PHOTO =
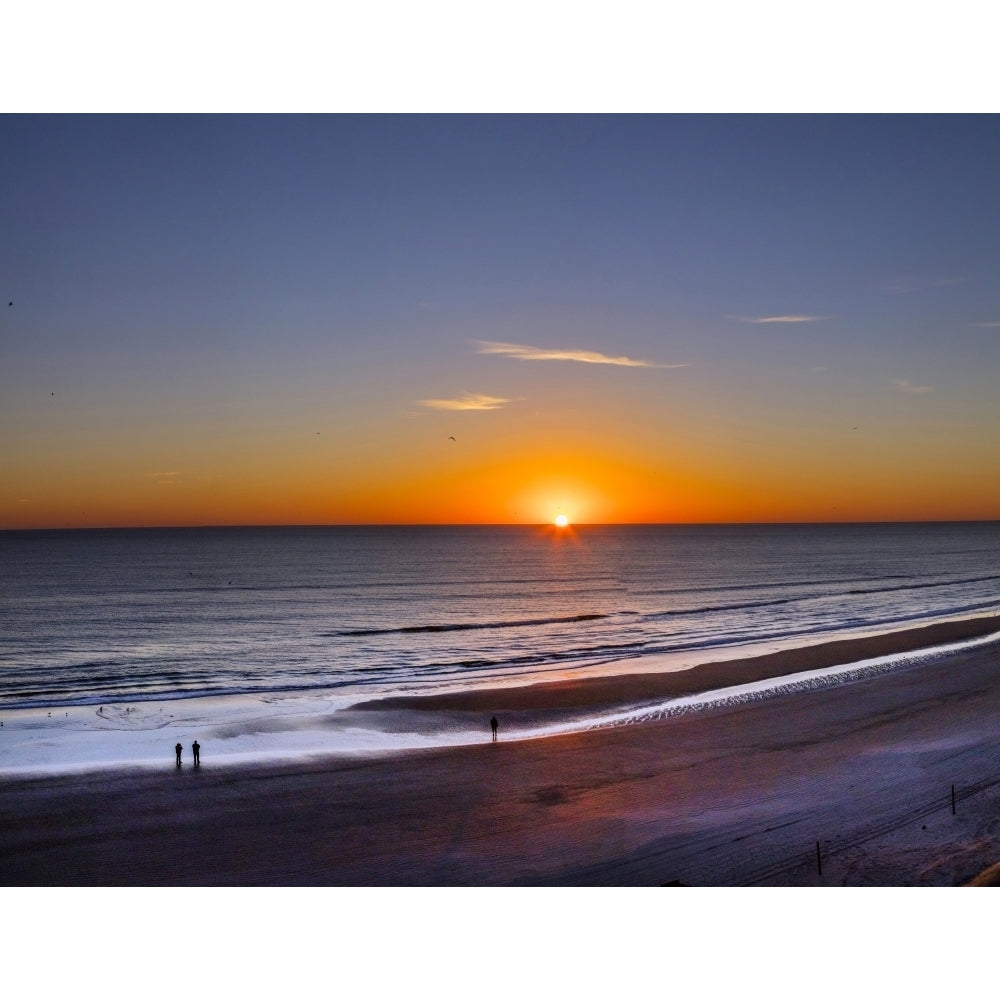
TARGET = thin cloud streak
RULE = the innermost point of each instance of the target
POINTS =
(789, 318)
(989, 326)
(164, 478)
(524, 352)
(467, 401)
(905, 385)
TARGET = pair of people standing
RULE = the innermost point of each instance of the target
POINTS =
(195, 749)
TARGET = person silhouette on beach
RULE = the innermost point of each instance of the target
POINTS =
(196, 750)
(493, 726)
(177, 751)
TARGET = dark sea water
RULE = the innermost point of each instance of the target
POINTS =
(87, 617)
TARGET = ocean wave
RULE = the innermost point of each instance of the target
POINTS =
(466, 626)
(928, 585)
(710, 608)
(767, 585)
(578, 654)
(361, 586)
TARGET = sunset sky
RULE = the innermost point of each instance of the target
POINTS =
(461, 319)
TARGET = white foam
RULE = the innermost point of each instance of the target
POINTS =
(771, 687)
(245, 728)
(230, 730)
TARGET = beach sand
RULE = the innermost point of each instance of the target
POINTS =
(735, 795)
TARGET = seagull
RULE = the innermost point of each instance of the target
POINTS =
(450, 438)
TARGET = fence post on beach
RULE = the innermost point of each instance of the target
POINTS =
(953, 800)
(819, 861)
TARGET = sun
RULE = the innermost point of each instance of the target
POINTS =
(561, 520)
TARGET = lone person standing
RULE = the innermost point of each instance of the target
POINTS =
(493, 726)
(196, 750)
(177, 751)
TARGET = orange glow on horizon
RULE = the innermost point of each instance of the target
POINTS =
(500, 481)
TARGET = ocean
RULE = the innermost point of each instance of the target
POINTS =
(95, 616)
(144, 618)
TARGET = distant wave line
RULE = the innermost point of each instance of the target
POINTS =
(680, 612)
(859, 592)
(805, 584)
(604, 584)
(921, 586)
(606, 581)
(466, 626)
(766, 585)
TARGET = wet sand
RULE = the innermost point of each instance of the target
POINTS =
(737, 795)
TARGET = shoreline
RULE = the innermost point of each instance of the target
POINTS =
(235, 731)
(735, 795)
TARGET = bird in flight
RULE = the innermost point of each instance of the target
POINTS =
(450, 438)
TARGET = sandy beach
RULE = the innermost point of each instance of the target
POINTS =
(851, 784)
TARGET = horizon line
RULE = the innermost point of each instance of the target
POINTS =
(498, 524)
